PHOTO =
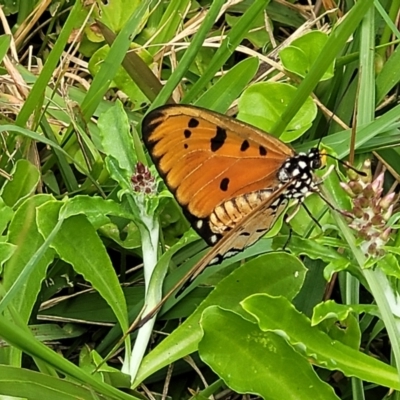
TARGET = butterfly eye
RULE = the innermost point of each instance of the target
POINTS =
(316, 163)
(317, 158)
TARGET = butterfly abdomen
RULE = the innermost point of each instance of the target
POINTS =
(228, 214)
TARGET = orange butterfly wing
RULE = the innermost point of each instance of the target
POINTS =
(207, 159)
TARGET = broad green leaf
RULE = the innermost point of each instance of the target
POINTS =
(25, 177)
(276, 314)
(252, 361)
(301, 54)
(346, 331)
(115, 137)
(78, 244)
(96, 209)
(23, 383)
(274, 273)
(115, 13)
(24, 235)
(263, 103)
(330, 309)
(310, 247)
(335, 266)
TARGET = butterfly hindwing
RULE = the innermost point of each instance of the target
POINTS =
(251, 228)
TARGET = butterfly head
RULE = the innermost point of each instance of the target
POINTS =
(317, 158)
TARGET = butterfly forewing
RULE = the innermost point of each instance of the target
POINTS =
(207, 159)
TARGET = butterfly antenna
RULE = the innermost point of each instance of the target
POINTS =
(347, 165)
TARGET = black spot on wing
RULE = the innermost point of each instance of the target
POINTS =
(262, 150)
(187, 133)
(219, 139)
(224, 184)
(193, 123)
(203, 229)
(245, 145)
(185, 145)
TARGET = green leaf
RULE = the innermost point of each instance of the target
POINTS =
(278, 315)
(389, 76)
(121, 79)
(330, 309)
(302, 53)
(335, 266)
(35, 96)
(116, 138)
(4, 45)
(252, 361)
(263, 103)
(389, 265)
(194, 50)
(115, 13)
(112, 62)
(257, 33)
(25, 177)
(334, 45)
(23, 233)
(22, 383)
(96, 209)
(6, 252)
(227, 89)
(78, 244)
(22, 340)
(225, 50)
(273, 273)
(6, 213)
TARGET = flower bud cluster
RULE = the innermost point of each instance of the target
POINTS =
(371, 210)
(142, 180)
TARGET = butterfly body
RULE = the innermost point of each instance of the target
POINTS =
(231, 179)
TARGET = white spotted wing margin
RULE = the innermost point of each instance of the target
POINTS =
(254, 225)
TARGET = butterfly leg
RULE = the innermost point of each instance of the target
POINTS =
(295, 211)
(341, 212)
(311, 216)
(287, 220)
(288, 239)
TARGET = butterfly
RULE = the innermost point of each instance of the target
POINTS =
(231, 179)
